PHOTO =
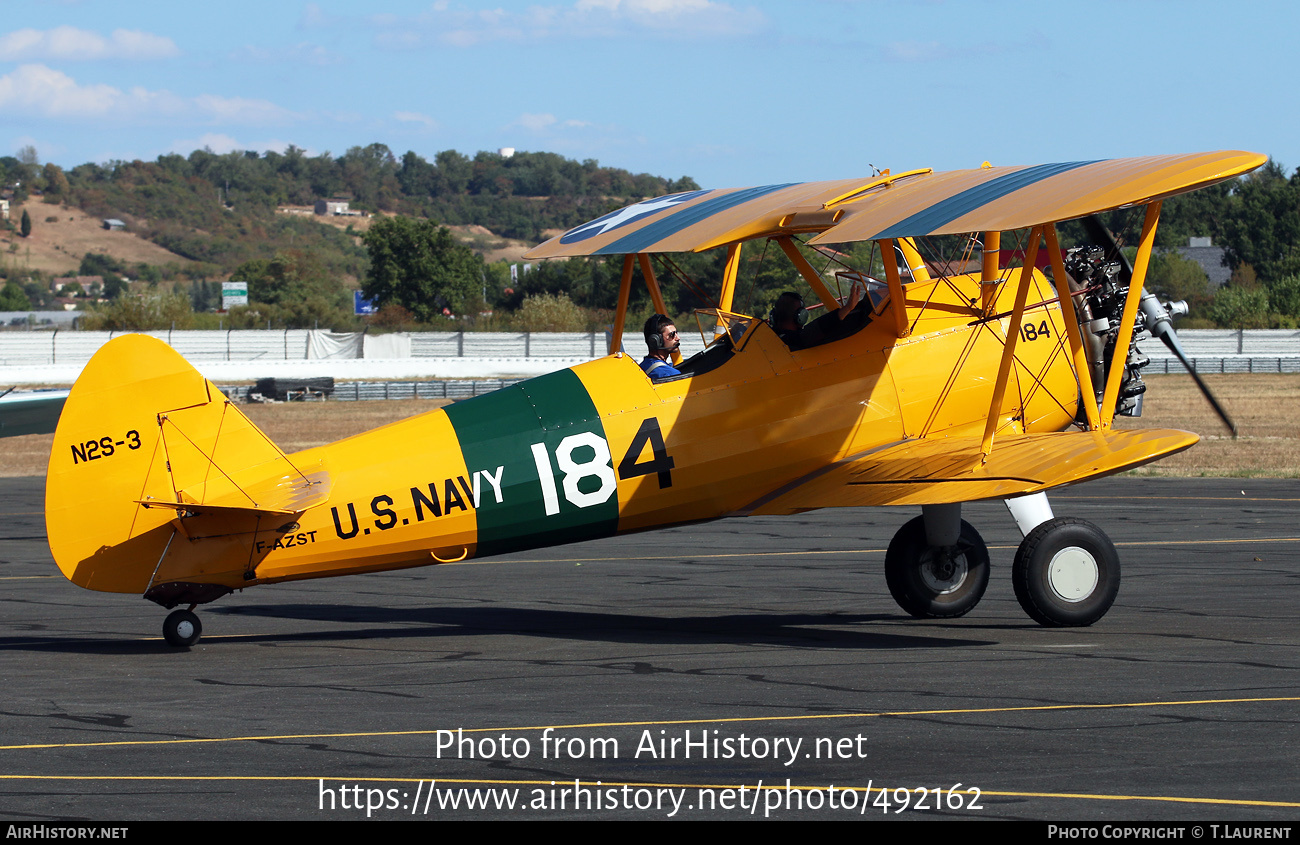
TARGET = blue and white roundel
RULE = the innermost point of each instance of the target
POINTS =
(624, 216)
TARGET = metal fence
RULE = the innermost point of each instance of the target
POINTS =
(357, 391)
(1227, 364)
(1213, 350)
(73, 347)
(76, 347)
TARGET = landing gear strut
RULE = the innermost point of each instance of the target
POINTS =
(182, 628)
(936, 581)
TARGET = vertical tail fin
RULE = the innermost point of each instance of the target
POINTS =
(148, 449)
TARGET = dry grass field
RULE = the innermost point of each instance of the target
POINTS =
(1266, 407)
(58, 247)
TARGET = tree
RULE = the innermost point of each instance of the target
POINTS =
(1284, 296)
(1264, 226)
(25, 227)
(12, 298)
(291, 277)
(1239, 308)
(549, 312)
(1173, 277)
(418, 265)
(142, 313)
(56, 183)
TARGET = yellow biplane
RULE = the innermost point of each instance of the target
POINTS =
(937, 387)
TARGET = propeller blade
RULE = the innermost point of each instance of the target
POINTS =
(1176, 348)
(1158, 321)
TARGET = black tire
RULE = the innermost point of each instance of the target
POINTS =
(928, 584)
(1066, 573)
(182, 629)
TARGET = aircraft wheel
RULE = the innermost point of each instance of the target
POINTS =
(933, 582)
(1066, 573)
(182, 629)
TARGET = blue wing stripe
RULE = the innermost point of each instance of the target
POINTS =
(647, 236)
(958, 205)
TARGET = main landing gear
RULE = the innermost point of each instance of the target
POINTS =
(182, 628)
(1065, 574)
(936, 581)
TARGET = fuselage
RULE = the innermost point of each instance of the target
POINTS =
(599, 449)
(590, 451)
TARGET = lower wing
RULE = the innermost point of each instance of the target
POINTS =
(941, 470)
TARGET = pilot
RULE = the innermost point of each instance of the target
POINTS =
(788, 319)
(662, 341)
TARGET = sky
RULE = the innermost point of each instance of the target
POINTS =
(730, 93)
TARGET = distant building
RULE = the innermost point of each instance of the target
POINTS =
(506, 152)
(1209, 257)
(85, 281)
(4, 209)
(335, 207)
(114, 225)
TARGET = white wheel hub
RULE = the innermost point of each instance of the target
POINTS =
(1073, 574)
(185, 629)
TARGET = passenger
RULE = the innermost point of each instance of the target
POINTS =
(789, 316)
(662, 341)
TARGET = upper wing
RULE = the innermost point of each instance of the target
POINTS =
(694, 220)
(941, 470)
(998, 199)
(910, 204)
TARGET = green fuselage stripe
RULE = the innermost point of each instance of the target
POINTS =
(498, 432)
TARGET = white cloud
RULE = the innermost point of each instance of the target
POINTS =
(51, 93)
(457, 26)
(218, 143)
(221, 144)
(313, 17)
(45, 150)
(547, 122)
(67, 43)
(536, 122)
(932, 51)
(239, 109)
(300, 53)
(915, 51)
(416, 118)
(40, 90)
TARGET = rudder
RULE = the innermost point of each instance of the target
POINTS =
(146, 450)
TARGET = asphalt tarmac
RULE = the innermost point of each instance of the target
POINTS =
(679, 670)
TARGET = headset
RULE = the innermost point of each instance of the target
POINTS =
(800, 316)
(654, 332)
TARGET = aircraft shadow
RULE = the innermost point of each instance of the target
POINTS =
(808, 630)
(796, 630)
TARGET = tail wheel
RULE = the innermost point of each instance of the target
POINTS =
(933, 581)
(182, 629)
(1066, 573)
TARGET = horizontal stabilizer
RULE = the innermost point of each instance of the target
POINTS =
(942, 470)
(288, 493)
